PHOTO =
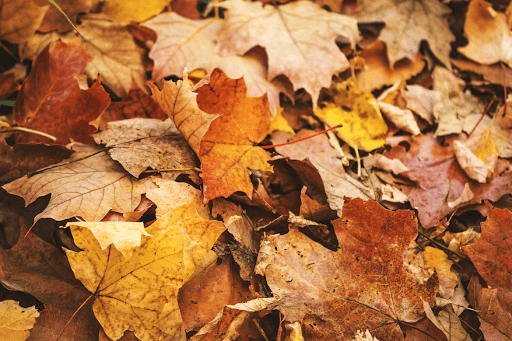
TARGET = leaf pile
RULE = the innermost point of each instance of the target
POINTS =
(256, 170)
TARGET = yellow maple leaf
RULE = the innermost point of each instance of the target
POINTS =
(358, 112)
(15, 321)
(132, 10)
(280, 123)
(140, 294)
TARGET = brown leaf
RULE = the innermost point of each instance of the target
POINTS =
(88, 185)
(229, 148)
(361, 286)
(39, 268)
(407, 24)
(491, 253)
(180, 104)
(19, 19)
(141, 143)
(55, 20)
(51, 101)
(306, 32)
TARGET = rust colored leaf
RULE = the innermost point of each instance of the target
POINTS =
(54, 20)
(51, 101)
(492, 253)
(361, 286)
(87, 185)
(180, 104)
(135, 104)
(229, 148)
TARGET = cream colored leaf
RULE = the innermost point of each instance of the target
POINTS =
(447, 322)
(402, 118)
(180, 104)
(139, 143)
(125, 236)
(474, 167)
(15, 321)
(407, 24)
(184, 43)
(299, 39)
(140, 294)
(451, 113)
(467, 195)
(86, 185)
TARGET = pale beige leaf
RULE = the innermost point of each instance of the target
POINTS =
(125, 236)
(467, 195)
(19, 19)
(402, 118)
(184, 43)
(474, 167)
(451, 113)
(407, 24)
(141, 143)
(180, 104)
(86, 185)
(422, 101)
(299, 39)
(15, 321)
(447, 322)
(502, 137)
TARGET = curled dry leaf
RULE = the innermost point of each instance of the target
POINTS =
(229, 147)
(87, 185)
(361, 286)
(306, 32)
(140, 294)
(180, 104)
(474, 167)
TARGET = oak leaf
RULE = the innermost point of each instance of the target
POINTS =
(407, 24)
(87, 185)
(361, 286)
(180, 104)
(305, 31)
(140, 294)
(51, 101)
(228, 149)
(139, 143)
(16, 320)
(184, 43)
(19, 19)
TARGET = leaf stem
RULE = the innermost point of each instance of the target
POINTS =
(74, 314)
(302, 139)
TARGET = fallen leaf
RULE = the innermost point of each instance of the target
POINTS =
(125, 236)
(136, 103)
(401, 118)
(378, 72)
(437, 259)
(421, 101)
(133, 10)
(358, 112)
(180, 104)
(474, 167)
(361, 286)
(16, 320)
(493, 306)
(141, 143)
(8, 85)
(407, 24)
(502, 137)
(55, 20)
(184, 43)
(225, 158)
(448, 322)
(306, 32)
(87, 185)
(140, 294)
(58, 106)
(491, 252)
(452, 113)
(40, 269)
(488, 34)
(19, 19)
(493, 73)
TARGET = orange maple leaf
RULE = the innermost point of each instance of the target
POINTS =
(228, 149)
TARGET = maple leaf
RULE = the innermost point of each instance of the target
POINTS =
(180, 104)
(87, 185)
(361, 286)
(491, 253)
(16, 320)
(139, 143)
(407, 24)
(54, 20)
(19, 19)
(488, 34)
(51, 101)
(140, 294)
(133, 10)
(225, 158)
(184, 43)
(302, 29)
(36, 267)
